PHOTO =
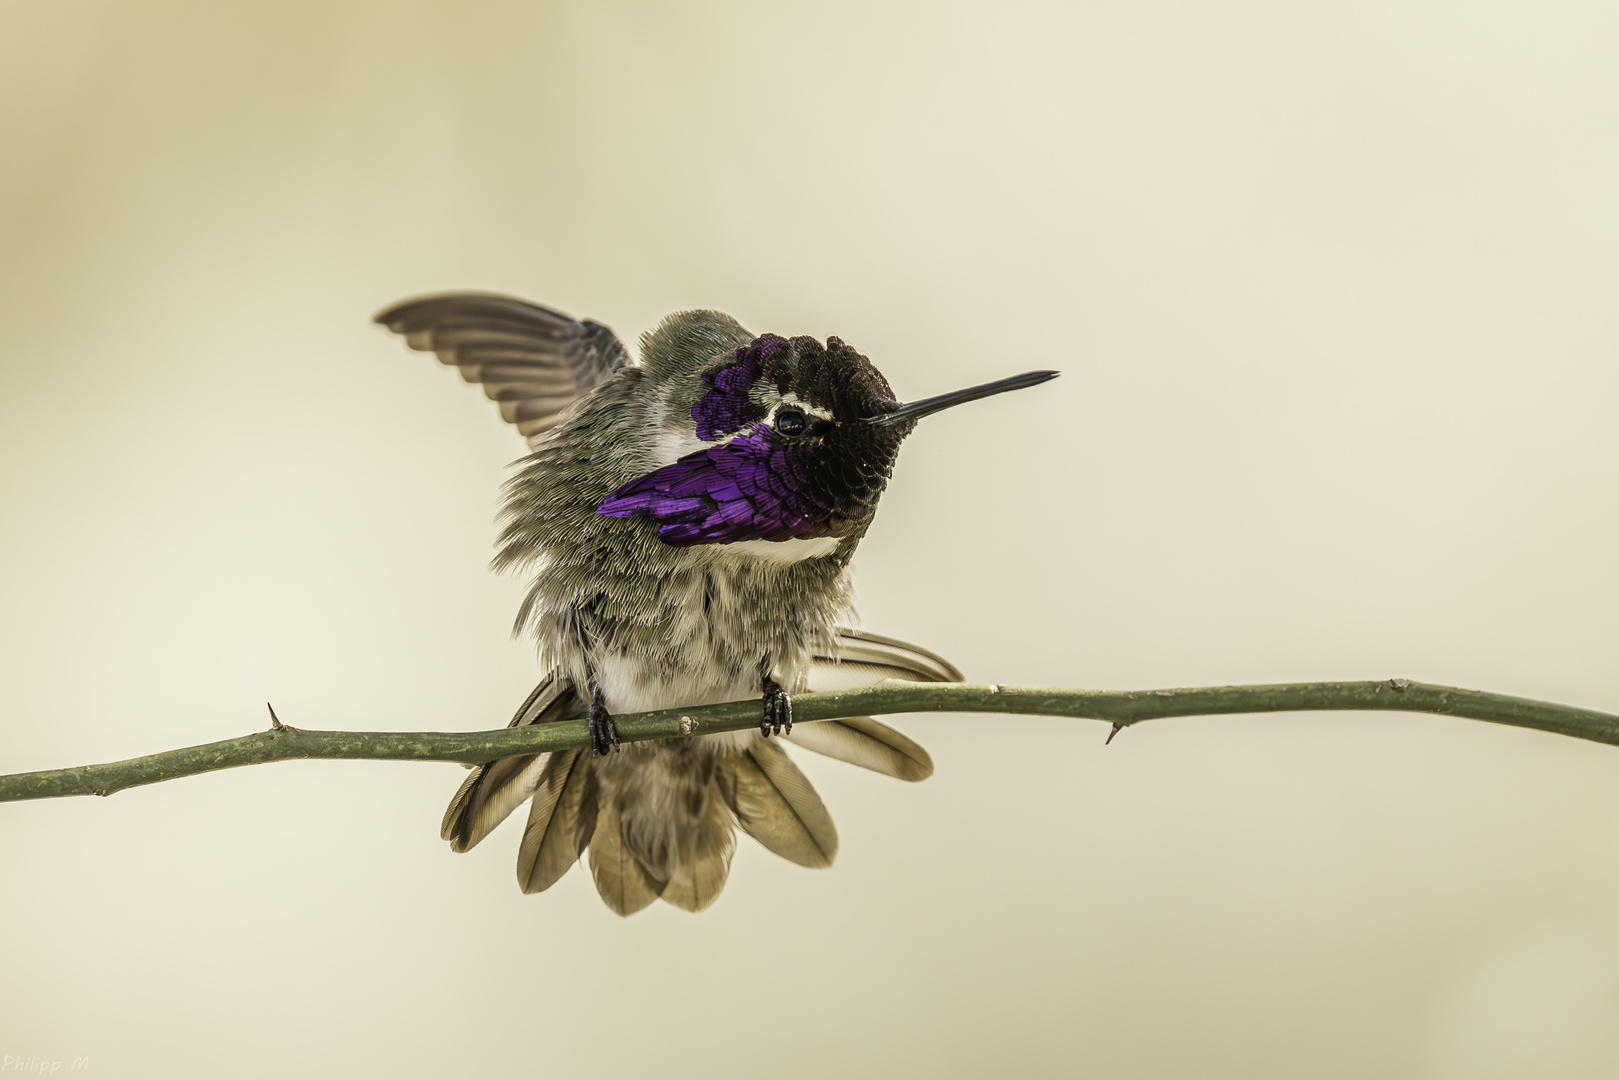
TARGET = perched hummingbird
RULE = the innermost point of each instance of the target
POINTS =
(690, 520)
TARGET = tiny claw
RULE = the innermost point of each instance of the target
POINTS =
(778, 710)
(603, 732)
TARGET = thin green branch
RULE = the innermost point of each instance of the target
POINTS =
(1121, 708)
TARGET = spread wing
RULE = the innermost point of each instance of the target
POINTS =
(864, 659)
(530, 360)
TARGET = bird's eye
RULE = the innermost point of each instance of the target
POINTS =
(790, 422)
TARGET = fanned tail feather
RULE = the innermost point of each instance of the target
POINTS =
(624, 884)
(774, 802)
(561, 820)
(703, 859)
(493, 790)
(638, 851)
(488, 794)
(869, 743)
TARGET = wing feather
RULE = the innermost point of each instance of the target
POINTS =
(493, 790)
(534, 361)
(862, 659)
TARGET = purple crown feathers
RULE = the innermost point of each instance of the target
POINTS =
(727, 406)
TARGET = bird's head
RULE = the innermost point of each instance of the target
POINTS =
(791, 440)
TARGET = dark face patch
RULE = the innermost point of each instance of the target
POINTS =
(811, 478)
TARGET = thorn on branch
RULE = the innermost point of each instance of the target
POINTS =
(275, 721)
(1117, 727)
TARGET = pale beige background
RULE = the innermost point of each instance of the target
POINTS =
(1333, 287)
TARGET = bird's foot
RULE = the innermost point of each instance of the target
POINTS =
(603, 732)
(778, 710)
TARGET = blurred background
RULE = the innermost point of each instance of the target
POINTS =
(1333, 290)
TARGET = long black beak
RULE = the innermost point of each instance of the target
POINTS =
(928, 406)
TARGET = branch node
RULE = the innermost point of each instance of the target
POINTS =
(687, 725)
(1400, 685)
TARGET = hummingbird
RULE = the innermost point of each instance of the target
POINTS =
(688, 518)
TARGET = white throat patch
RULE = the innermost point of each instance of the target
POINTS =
(785, 551)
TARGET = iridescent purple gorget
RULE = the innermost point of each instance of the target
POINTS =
(754, 487)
